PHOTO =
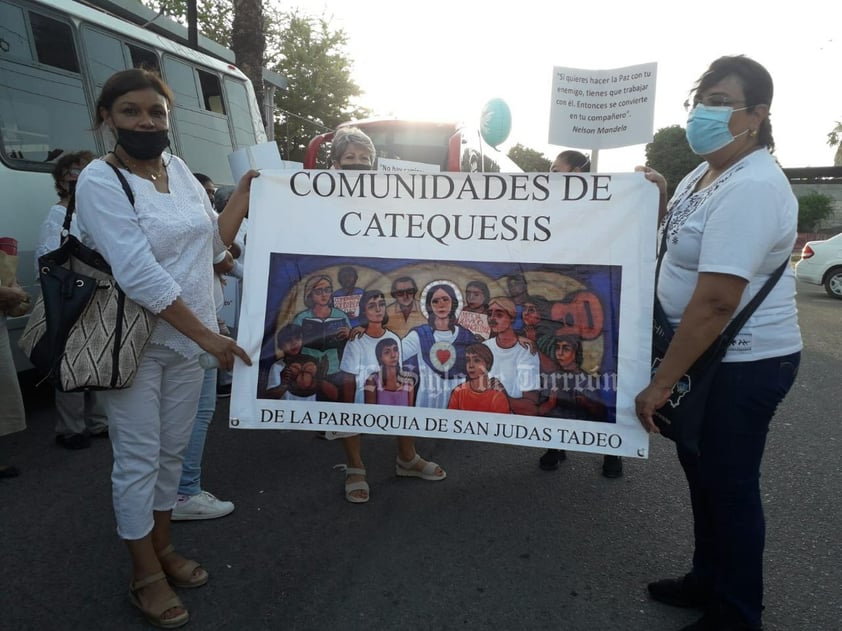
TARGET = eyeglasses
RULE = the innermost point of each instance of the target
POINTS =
(74, 171)
(322, 291)
(714, 100)
(405, 292)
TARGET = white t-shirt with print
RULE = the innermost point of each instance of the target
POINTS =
(743, 224)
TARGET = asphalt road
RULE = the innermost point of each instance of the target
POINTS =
(498, 545)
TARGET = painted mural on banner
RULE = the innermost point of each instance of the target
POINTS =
(511, 308)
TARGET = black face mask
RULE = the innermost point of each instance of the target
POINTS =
(356, 167)
(143, 145)
(71, 187)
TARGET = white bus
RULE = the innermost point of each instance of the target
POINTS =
(55, 56)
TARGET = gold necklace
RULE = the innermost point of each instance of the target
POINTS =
(152, 175)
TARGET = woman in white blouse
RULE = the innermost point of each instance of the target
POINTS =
(160, 252)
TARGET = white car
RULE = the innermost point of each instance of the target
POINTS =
(821, 264)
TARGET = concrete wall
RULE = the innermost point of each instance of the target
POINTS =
(831, 189)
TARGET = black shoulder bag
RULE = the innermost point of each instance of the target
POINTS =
(84, 333)
(680, 419)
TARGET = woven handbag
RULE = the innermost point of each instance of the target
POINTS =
(84, 333)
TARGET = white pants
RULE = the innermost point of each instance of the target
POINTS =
(150, 424)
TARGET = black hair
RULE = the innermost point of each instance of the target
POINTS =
(576, 160)
(289, 332)
(756, 83)
(63, 164)
(486, 294)
(126, 81)
(382, 345)
(369, 295)
(454, 304)
(203, 179)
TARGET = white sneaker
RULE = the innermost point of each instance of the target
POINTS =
(202, 506)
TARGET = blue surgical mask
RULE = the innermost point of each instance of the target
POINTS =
(707, 128)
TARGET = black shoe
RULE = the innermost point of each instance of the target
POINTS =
(103, 433)
(612, 467)
(9, 471)
(686, 592)
(549, 461)
(719, 619)
(73, 441)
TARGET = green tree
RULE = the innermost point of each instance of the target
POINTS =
(304, 49)
(529, 160)
(671, 156)
(834, 139)
(813, 208)
(321, 93)
(216, 17)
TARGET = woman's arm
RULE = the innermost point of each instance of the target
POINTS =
(236, 209)
(661, 182)
(714, 300)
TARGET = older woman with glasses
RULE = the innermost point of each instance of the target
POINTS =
(729, 226)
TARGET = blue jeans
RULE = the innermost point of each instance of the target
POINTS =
(191, 470)
(724, 480)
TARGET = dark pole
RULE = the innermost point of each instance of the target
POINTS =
(192, 25)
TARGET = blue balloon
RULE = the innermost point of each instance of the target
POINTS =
(495, 122)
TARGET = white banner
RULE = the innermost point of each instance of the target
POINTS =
(555, 270)
(602, 109)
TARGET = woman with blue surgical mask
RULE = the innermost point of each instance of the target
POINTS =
(729, 226)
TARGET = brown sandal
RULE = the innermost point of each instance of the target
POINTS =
(184, 576)
(155, 611)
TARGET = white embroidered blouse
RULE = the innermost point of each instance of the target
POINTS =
(159, 250)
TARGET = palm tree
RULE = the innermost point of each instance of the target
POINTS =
(834, 139)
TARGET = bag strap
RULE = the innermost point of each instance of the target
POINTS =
(71, 204)
(740, 319)
(737, 323)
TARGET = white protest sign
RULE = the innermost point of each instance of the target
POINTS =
(392, 165)
(602, 109)
(261, 156)
(570, 257)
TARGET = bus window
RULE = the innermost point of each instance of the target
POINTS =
(240, 114)
(182, 82)
(14, 41)
(43, 110)
(142, 58)
(211, 92)
(203, 136)
(54, 43)
(104, 54)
